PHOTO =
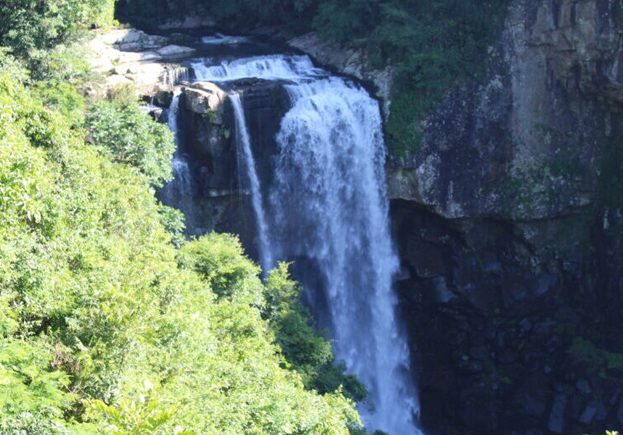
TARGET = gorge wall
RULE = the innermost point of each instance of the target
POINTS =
(508, 220)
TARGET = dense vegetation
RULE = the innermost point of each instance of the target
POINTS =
(432, 44)
(110, 322)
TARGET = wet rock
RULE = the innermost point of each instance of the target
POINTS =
(137, 40)
(478, 411)
(479, 352)
(163, 98)
(353, 62)
(130, 46)
(557, 420)
(583, 386)
(175, 51)
(507, 356)
(589, 413)
(525, 325)
(205, 98)
(602, 412)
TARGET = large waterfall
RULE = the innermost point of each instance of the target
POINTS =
(327, 204)
(330, 205)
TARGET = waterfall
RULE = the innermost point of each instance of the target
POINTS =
(330, 205)
(275, 67)
(243, 141)
(173, 76)
(327, 203)
(179, 191)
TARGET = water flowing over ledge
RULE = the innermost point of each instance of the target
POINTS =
(327, 202)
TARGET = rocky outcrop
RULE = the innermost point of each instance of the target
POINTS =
(527, 142)
(133, 58)
(349, 61)
(510, 234)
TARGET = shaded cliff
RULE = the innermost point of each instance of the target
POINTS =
(508, 221)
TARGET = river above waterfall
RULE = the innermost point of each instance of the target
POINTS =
(316, 192)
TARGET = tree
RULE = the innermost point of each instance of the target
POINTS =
(133, 138)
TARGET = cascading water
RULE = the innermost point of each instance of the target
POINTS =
(243, 141)
(328, 204)
(275, 67)
(180, 190)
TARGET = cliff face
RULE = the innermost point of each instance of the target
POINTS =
(510, 231)
(508, 222)
(526, 142)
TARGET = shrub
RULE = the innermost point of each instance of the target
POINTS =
(133, 138)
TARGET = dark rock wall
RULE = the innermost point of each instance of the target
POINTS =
(221, 200)
(495, 327)
(508, 222)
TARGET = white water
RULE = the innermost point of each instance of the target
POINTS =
(179, 191)
(220, 39)
(173, 76)
(328, 204)
(276, 67)
(243, 141)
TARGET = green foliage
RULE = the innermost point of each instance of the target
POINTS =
(11, 66)
(219, 260)
(95, 297)
(599, 361)
(432, 45)
(133, 138)
(173, 221)
(147, 416)
(308, 352)
(32, 28)
(63, 97)
(123, 94)
(27, 382)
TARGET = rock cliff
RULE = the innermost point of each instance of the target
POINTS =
(508, 220)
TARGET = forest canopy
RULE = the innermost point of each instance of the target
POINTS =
(111, 322)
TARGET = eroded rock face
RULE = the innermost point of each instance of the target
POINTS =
(132, 57)
(510, 249)
(498, 322)
(208, 142)
(526, 143)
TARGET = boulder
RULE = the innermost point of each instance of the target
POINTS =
(556, 422)
(134, 40)
(163, 98)
(175, 51)
(204, 98)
